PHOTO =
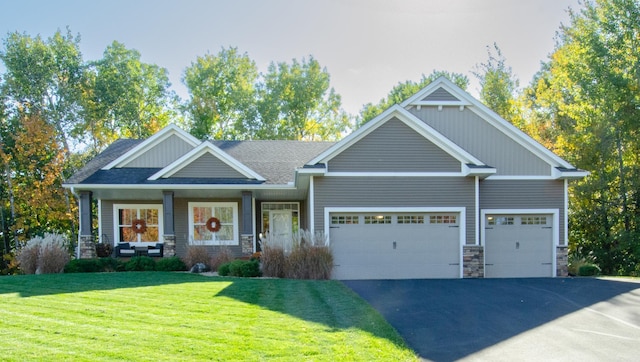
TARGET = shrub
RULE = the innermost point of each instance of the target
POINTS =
(240, 268)
(173, 263)
(224, 255)
(10, 265)
(273, 261)
(588, 270)
(48, 254)
(224, 269)
(140, 263)
(197, 254)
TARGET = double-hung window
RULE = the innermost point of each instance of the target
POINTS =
(137, 223)
(213, 223)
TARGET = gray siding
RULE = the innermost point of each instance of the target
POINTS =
(484, 141)
(396, 192)
(162, 154)
(440, 95)
(394, 147)
(208, 166)
(524, 194)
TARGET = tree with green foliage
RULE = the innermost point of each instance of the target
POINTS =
(586, 102)
(44, 78)
(34, 161)
(404, 90)
(498, 84)
(295, 102)
(124, 98)
(222, 95)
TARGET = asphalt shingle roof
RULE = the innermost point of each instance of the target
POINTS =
(276, 161)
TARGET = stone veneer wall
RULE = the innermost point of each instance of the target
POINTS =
(246, 241)
(473, 261)
(86, 247)
(169, 246)
(562, 261)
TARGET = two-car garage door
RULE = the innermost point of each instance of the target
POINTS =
(392, 245)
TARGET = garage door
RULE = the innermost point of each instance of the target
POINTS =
(518, 246)
(395, 246)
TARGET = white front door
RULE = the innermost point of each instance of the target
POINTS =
(280, 225)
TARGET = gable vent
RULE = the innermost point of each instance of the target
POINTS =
(441, 95)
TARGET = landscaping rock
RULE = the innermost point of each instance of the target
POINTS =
(199, 268)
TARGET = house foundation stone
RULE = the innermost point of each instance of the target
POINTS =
(246, 240)
(86, 247)
(169, 245)
(473, 261)
(562, 261)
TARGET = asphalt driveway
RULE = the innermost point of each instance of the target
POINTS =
(580, 319)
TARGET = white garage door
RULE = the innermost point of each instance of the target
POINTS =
(395, 246)
(518, 246)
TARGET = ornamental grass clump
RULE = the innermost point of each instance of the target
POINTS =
(197, 254)
(309, 258)
(44, 255)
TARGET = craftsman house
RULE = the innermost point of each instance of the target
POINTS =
(436, 187)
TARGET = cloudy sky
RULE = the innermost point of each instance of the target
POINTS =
(367, 46)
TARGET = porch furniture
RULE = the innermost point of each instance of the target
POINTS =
(156, 251)
(124, 250)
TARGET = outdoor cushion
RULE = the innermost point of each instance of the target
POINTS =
(127, 251)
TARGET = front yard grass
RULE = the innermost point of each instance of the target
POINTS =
(153, 316)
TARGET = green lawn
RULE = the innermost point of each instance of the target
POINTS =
(180, 316)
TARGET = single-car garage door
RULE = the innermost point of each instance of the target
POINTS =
(518, 246)
(395, 245)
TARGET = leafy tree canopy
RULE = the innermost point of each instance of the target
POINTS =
(404, 90)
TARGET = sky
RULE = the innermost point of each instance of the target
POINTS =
(367, 46)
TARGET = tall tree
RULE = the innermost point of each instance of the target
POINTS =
(498, 83)
(44, 78)
(33, 164)
(125, 97)
(222, 95)
(404, 90)
(295, 101)
(590, 91)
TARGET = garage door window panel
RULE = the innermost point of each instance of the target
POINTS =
(377, 219)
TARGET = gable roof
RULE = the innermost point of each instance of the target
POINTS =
(414, 123)
(424, 98)
(205, 147)
(146, 145)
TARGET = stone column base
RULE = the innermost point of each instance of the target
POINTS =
(246, 240)
(472, 261)
(562, 261)
(169, 245)
(86, 247)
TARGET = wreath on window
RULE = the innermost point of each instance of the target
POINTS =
(213, 224)
(139, 226)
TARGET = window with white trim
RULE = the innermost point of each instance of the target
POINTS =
(137, 223)
(213, 223)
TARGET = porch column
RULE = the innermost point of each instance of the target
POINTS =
(86, 244)
(169, 233)
(246, 237)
